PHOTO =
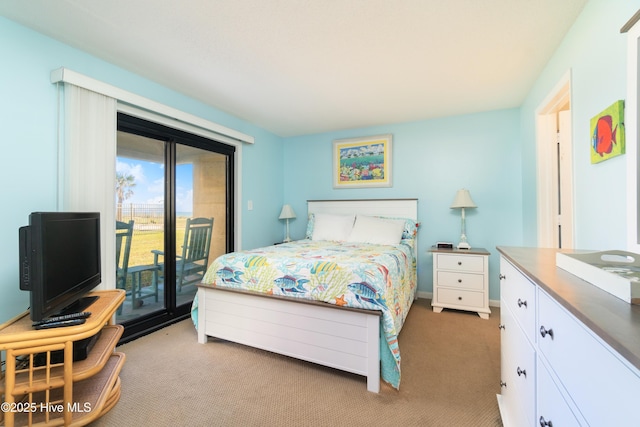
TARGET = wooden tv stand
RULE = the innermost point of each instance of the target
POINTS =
(67, 393)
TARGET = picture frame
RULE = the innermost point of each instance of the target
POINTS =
(607, 133)
(362, 162)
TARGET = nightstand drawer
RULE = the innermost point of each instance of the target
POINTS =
(456, 297)
(461, 280)
(470, 263)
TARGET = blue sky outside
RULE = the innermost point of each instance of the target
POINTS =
(149, 179)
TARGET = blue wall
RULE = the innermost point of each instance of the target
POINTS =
(492, 154)
(594, 51)
(29, 150)
(432, 159)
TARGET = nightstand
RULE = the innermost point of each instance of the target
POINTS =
(461, 280)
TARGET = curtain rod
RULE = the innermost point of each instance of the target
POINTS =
(65, 75)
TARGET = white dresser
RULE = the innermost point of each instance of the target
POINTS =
(461, 280)
(570, 351)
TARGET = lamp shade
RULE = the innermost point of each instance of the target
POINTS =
(287, 212)
(463, 200)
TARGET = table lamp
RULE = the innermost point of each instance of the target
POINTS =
(287, 213)
(463, 200)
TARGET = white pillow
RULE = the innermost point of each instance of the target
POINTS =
(332, 227)
(373, 230)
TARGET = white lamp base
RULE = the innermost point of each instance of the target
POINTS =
(287, 239)
(464, 245)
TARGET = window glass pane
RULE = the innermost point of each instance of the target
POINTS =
(140, 203)
(201, 197)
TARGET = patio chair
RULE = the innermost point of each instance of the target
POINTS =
(192, 264)
(124, 234)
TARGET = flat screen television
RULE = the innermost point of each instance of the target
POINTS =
(59, 261)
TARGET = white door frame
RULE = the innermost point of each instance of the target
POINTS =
(547, 162)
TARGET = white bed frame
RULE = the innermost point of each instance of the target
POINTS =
(341, 338)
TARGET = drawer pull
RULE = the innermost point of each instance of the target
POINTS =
(521, 372)
(459, 262)
(544, 332)
(544, 423)
(521, 303)
(459, 298)
(459, 280)
(501, 276)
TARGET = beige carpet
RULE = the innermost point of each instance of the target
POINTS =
(450, 377)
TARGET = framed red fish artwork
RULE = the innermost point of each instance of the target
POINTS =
(607, 133)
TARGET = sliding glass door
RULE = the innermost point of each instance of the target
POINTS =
(174, 191)
(140, 212)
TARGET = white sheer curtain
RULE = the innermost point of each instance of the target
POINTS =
(87, 167)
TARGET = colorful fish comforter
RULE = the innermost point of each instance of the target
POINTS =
(360, 275)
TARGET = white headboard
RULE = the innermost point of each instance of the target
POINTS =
(405, 208)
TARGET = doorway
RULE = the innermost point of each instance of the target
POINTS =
(175, 192)
(555, 169)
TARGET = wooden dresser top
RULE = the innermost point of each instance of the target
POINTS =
(615, 321)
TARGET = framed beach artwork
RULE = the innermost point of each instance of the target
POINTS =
(607, 133)
(362, 162)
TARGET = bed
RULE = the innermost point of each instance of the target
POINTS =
(338, 298)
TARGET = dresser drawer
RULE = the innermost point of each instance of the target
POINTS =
(518, 372)
(461, 280)
(470, 263)
(457, 297)
(590, 370)
(519, 295)
(552, 407)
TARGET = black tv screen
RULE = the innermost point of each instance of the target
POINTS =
(60, 260)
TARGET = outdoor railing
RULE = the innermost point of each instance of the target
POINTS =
(146, 216)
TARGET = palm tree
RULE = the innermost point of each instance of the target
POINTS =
(124, 185)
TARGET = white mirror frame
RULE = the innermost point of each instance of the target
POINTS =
(631, 127)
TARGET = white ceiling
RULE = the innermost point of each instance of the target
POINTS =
(298, 67)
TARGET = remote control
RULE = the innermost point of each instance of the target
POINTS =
(60, 324)
(71, 316)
